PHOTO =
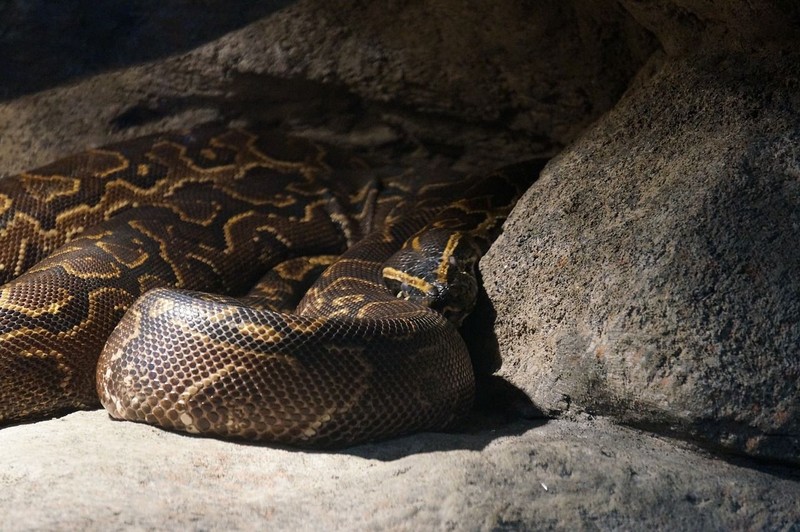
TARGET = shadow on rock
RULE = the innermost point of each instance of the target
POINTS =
(501, 410)
(44, 50)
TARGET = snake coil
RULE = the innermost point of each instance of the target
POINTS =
(351, 334)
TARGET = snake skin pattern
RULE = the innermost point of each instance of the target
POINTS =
(110, 247)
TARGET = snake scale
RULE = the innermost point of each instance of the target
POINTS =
(339, 287)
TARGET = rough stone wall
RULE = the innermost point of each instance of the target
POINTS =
(654, 263)
(44, 44)
(684, 26)
(493, 80)
(652, 274)
(545, 68)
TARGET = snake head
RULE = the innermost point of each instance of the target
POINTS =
(436, 269)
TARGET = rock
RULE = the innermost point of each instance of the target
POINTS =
(46, 44)
(544, 71)
(686, 25)
(654, 272)
(87, 472)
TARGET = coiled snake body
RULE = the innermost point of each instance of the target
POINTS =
(105, 247)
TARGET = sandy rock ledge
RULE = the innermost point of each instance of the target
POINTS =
(86, 472)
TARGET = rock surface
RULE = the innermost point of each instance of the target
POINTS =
(655, 272)
(683, 26)
(44, 44)
(87, 472)
(544, 71)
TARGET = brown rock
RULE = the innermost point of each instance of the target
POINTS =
(651, 274)
(686, 25)
(487, 80)
(654, 272)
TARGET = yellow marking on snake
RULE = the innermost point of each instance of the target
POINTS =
(103, 270)
(212, 265)
(402, 277)
(260, 332)
(161, 306)
(77, 328)
(252, 154)
(5, 204)
(114, 161)
(230, 240)
(194, 389)
(308, 326)
(297, 269)
(163, 247)
(23, 250)
(149, 281)
(119, 253)
(444, 264)
(48, 188)
(276, 234)
(277, 200)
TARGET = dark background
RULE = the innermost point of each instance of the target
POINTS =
(44, 43)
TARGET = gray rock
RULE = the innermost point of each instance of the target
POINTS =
(494, 80)
(654, 273)
(544, 68)
(683, 26)
(87, 472)
(46, 44)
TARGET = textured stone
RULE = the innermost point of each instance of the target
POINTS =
(543, 68)
(686, 25)
(44, 44)
(492, 80)
(87, 472)
(655, 262)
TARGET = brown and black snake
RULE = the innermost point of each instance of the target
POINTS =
(351, 334)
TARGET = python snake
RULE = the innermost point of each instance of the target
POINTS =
(103, 254)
